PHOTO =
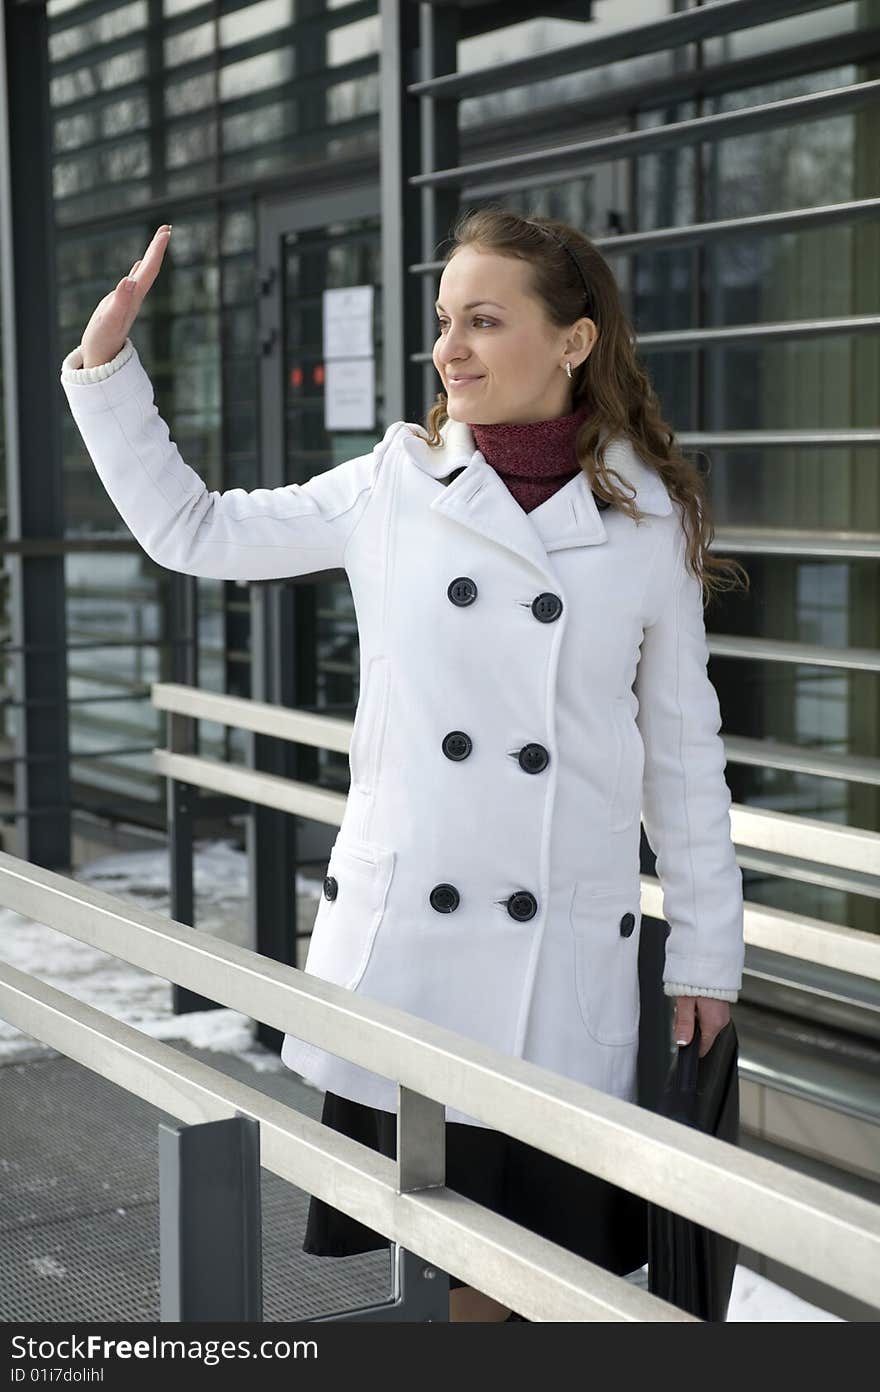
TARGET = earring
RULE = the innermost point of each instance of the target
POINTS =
(568, 370)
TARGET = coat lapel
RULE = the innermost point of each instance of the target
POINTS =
(479, 499)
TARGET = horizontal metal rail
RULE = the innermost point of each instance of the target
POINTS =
(819, 988)
(810, 219)
(75, 755)
(499, 175)
(108, 811)
(809, 1071)
(795, 935)
(852, 850)
(826, 843)
(774, 439)
(782, 1213)
(331, 732)
(845, 948)
(47, 703)
(479, 1246)
(632, 41)
(736, 334)
(798, 541)
(851, 768)
(722, 229)
(829, 944)
(65, 546)
(261, 717)
(789, 867)
(99, 643)
(784, 650)
(264, 789)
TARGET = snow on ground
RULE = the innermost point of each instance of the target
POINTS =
(124, 991)
(144, 1001)
(755, 1299)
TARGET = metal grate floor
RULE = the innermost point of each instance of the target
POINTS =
(79, 1202)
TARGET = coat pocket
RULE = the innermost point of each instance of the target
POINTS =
(626, 800)
(368, 730)
(358, 876)
(606, 928)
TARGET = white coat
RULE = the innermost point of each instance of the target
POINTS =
(529, 684)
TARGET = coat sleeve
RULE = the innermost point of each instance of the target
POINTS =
(685, 797)
(264, 534)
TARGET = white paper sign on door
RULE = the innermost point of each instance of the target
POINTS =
(348, 322)
(350, 394)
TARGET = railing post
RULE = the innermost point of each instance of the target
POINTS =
(183, 627)
(181, 800)
(421, 1164)
(419, 1289)
(271, 834)
(210, 1221)
(180, 739)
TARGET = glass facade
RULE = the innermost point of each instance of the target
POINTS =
(208, 115)
(188, 114)
(814, 379)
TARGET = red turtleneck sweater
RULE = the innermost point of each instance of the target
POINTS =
(534, 458)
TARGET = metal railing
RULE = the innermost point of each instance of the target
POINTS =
(499, 176)
(802, 1222)
(851, 850)
(806, 1224)
(670, 31)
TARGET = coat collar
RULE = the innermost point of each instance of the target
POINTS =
(479, 499)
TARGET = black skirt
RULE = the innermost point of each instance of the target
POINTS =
(580, 1211)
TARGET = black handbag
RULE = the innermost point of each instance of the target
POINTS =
(688, 1265)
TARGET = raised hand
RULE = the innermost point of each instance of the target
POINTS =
(111, 322)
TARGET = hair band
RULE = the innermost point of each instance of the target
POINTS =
(566, 248)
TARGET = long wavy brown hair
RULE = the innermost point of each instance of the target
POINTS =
(620, 394)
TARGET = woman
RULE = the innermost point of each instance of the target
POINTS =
(528, 574)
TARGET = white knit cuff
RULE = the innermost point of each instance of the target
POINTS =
(677, 988)
(72, 369)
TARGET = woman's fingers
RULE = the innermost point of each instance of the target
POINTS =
(683, 1019)
(142, 274)
(152, 257)
(148, 267)
(117, 311)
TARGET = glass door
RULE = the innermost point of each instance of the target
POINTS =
(304, 631)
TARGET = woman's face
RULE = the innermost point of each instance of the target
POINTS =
(508, 345)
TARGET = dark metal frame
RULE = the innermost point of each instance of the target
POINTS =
(210, 1223)
(33, 473)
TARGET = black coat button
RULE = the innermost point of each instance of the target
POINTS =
(331, 886)
(533, 758)
(457, 745)
(601, 503)
(547, 606)
(522, 905)
(627, 924)
(445, 898)
(462, 590)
